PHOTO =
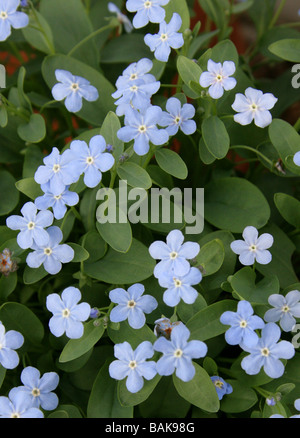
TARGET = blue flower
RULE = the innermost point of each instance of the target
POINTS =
(146, 11)
(178, 117)
(31, 226)
(180, 287)
(37, 389)
(10, 17)
(9, 342)
(243, 323)
(18, 406)
(90, 160)
(123, 19)
(221, 386)
(141, 127)
(173, 254)
(133, 364)
(73, 89)
(67, 313)
(164, 327)
(51, 255)
(58, 203)
(253, 248)
(285, 309)
(267, 353)
(254, 105)
(136, 95)
(167, 37)
(132, 305)
(136, 70)
(178, 353)
(55, 171)
(217, 78)
(296, 158)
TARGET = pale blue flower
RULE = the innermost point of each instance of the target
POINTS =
(123, 19)
(177, 117)
(58, 203)
(10, 17)
(73, 89)
(166, 39)
(254, 105)
(55, 171)
(146, 11)
(285, 309)
(52, 255)
(267, 353)
(296, 158)
(243, 325)
(133, 364)
(180, 287)
(31, 225)
(221, 386)
(67, 313)
(90, 160)
(37, 389)
(132, 305)
(18, 406)
(178, 353)
(173, 254)
(253, 248)
(217, 78)
(142, 128)
(136, 70)
(9, 342)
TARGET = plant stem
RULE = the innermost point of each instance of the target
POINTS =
(112, 25)
(255, 151)
(277, 14)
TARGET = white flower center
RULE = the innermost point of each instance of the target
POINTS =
(285, 308)
(219, 384)
(252, 248)
(35, 392)
(142, 129)
(30, 225)
(48, 251)
(147, 4)
(243, 323)
(265, 352)
(177, 120)
(74, 86)
(57, 197)
(15, 415)
(164, 37)
(66, 313)
(56, 168)
(133, 76)
(134, 88)
(178, 352)
(132, 364)
(219, 77)
(1, 346)
(173, 255)
(253, 107)
(3, 15)
(89, 160)
(131, 304)
(177, 282)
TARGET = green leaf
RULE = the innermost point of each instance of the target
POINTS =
(23, 99)
(93, 112)
(38, 33)
(3, 116)
(241, 399)
(95, 245)
(29, 187)
(134, 174)
(78, 347)
(33, 275)
(287, 49)
(234, 203)
(211, 256)
(206, 324)
(171, 162)
(119, 50)
(215, 137)
(285, 139)
(133, 336)
(243, 283)
(109, 129)
(34, 131)
(181, 7)
(128, 398)
(200, 391)
(188, 69)
(118, 235)
(225, 51)
(123, 268)
(103, 401)
(16, 316)
(69, 27)
(9, 194)
(289, 208)
(80, 253)
(8, 285)
(204, 153)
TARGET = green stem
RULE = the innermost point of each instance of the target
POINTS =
(262, 391)
(112, 25)
(76, 214)
(255, 151)
(47, 104)
(277, 14)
